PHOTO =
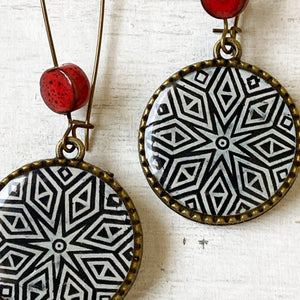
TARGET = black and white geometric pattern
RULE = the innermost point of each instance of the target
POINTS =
(64, 234)
(220, 141)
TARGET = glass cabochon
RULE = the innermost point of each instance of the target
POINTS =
(218, 142)
(66, 233)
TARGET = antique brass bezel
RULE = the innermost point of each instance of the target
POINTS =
(107, 178)
(210, 219)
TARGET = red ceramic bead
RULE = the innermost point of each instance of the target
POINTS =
(65, 88)
(224, 9)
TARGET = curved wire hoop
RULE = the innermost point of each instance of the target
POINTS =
(73, 123)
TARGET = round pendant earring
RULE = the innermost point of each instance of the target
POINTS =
(219, 140)
(68, 229)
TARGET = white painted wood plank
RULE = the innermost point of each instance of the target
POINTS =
(145, 41)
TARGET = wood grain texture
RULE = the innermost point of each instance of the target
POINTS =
(144, 42)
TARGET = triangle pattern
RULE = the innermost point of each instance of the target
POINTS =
(113, 201)
(186, 174)
(104, 270)
(258, 112)
(12, 260)
(73, 290)
(227, 93)
(192, 105)
(263, 107)
(270, 147)
(254, 181)
(108, 233)
(267, 147)
(11, 219)
(219, 194)
(174, 137)
(39, 288)
(43, 194)
(257, 115)
(82, 201)
(16, 222)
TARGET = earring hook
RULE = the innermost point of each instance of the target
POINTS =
(74, 124)
(95, 73)
(49, 34)
(231, 32)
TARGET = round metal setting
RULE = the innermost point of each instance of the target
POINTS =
(219, 142)
(68, 231)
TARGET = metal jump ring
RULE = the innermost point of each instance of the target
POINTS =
(76, 144)
(224, 48)
(236, 46)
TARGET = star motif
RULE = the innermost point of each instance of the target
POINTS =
(58, 248)
(223, 144)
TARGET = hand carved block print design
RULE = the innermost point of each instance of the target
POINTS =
(64, 234)
(220, 141)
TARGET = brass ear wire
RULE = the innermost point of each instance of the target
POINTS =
(49, 34)
(74, 124)
(72, 128)
(228, 33)
(235, 29)
(95, 73)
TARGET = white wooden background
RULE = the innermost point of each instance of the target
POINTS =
(145, 41)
